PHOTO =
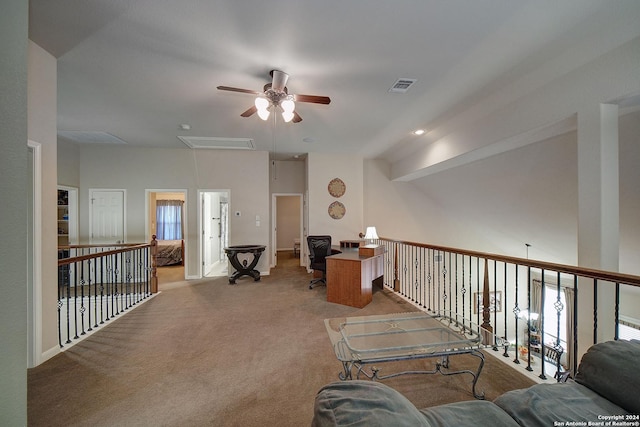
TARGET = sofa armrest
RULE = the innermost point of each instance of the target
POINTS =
(611, 369)
(546, 404)
(366, 404)
(468, 413)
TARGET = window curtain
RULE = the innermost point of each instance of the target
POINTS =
(169, 219)
(535, 305)
(569, 297)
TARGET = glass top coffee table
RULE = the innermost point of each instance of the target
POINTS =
(365, 340)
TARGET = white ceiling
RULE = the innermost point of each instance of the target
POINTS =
(137, 70)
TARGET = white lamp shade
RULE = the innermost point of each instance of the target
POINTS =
(288, 106)
(371, 233)
(263, 114)
(261, 103)
(287, 116)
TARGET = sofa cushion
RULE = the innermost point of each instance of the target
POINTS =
(546, 404)
(369, 403)
(468, 413)
(364, 403)
(611, 369)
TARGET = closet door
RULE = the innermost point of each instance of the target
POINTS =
(107, 216)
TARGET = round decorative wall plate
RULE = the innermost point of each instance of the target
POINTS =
(337, 210)
(337, 187)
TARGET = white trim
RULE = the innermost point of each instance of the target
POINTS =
(35, 293)
(46, 355)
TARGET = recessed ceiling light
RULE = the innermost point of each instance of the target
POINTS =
(418, 132)
(185, 126)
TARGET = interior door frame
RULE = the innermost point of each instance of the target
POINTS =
(274, 223)
(34, 288)
(185, 216)
(200, 219)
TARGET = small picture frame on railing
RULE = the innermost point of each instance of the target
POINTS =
(495, 302)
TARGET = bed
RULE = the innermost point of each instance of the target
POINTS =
(170, 252)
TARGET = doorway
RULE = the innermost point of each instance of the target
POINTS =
(166, 218)
(287, 226)
(214, 231)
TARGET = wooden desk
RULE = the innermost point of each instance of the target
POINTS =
(351, 243)
(350, 278)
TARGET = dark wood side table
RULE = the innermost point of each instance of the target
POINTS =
(244, 268)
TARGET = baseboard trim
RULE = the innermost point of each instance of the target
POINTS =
(53, 351)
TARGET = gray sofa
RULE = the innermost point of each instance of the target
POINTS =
(606, 388)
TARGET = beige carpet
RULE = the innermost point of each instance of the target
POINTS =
(206, 353)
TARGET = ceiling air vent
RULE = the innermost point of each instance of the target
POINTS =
(90, 137)
(402, 85)
(216, 143)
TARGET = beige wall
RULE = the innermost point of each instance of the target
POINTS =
(244, 173)
(287, 176)
(321, 169)
(43, 130)
(288, 221)
(68, 164)
(13, 192)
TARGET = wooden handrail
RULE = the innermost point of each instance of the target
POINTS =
(608, 276)
(124, 247)
(127, 248)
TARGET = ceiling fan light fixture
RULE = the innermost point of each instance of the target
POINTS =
(261, 103)
(288, 106)
(263, 114)
(287, 116)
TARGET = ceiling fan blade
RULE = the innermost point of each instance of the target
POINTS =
(250, 112)
(312, 98)
(296, 118)
(279, 80)
(235, 89)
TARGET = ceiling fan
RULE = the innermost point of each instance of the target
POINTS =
(274, 95)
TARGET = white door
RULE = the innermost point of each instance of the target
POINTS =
(107, 216)
(214, 225)
(207, 234)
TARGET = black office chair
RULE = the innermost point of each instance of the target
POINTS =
(319, 249)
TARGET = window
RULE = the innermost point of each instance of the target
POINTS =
(169, 219)
(551, 316)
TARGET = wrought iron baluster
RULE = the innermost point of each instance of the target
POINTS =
(504, 301)
(559, 308)
(595, 311)
(529, 368)
(616, 312)
(516, 312)
(495, 304)
(543, 295)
